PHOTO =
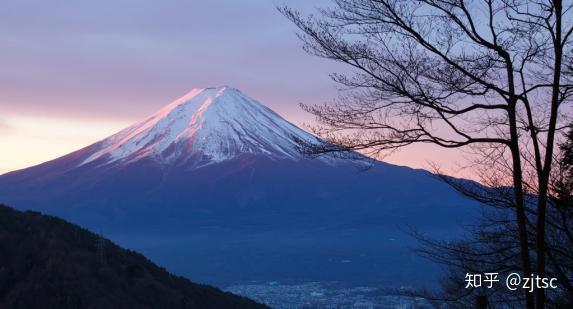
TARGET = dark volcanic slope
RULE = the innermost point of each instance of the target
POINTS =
(46, 262)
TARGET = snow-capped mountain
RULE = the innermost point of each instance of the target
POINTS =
(207, 125)
(212, 187)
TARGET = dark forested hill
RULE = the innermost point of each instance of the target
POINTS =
(46, 262)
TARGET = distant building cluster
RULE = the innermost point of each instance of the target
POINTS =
(324, 295)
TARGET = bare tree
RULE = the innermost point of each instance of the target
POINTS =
(491, 244)
(485, 74)
(491, 247)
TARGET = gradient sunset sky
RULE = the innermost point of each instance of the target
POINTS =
(74, 72)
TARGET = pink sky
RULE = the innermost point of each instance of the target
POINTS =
(73, 74)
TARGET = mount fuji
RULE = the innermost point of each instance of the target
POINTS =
(212, 186)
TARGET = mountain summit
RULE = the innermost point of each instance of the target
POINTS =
(207, 125)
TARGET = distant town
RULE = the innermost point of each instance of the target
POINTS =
(325, 295)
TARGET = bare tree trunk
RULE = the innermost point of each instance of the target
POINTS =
(545, 173)
(481, 302)
(519, 202)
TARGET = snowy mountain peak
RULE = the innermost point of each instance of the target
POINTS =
(206, 125)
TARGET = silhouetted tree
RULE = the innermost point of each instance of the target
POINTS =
(490, 75)
(563, 179)
(491, 247)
